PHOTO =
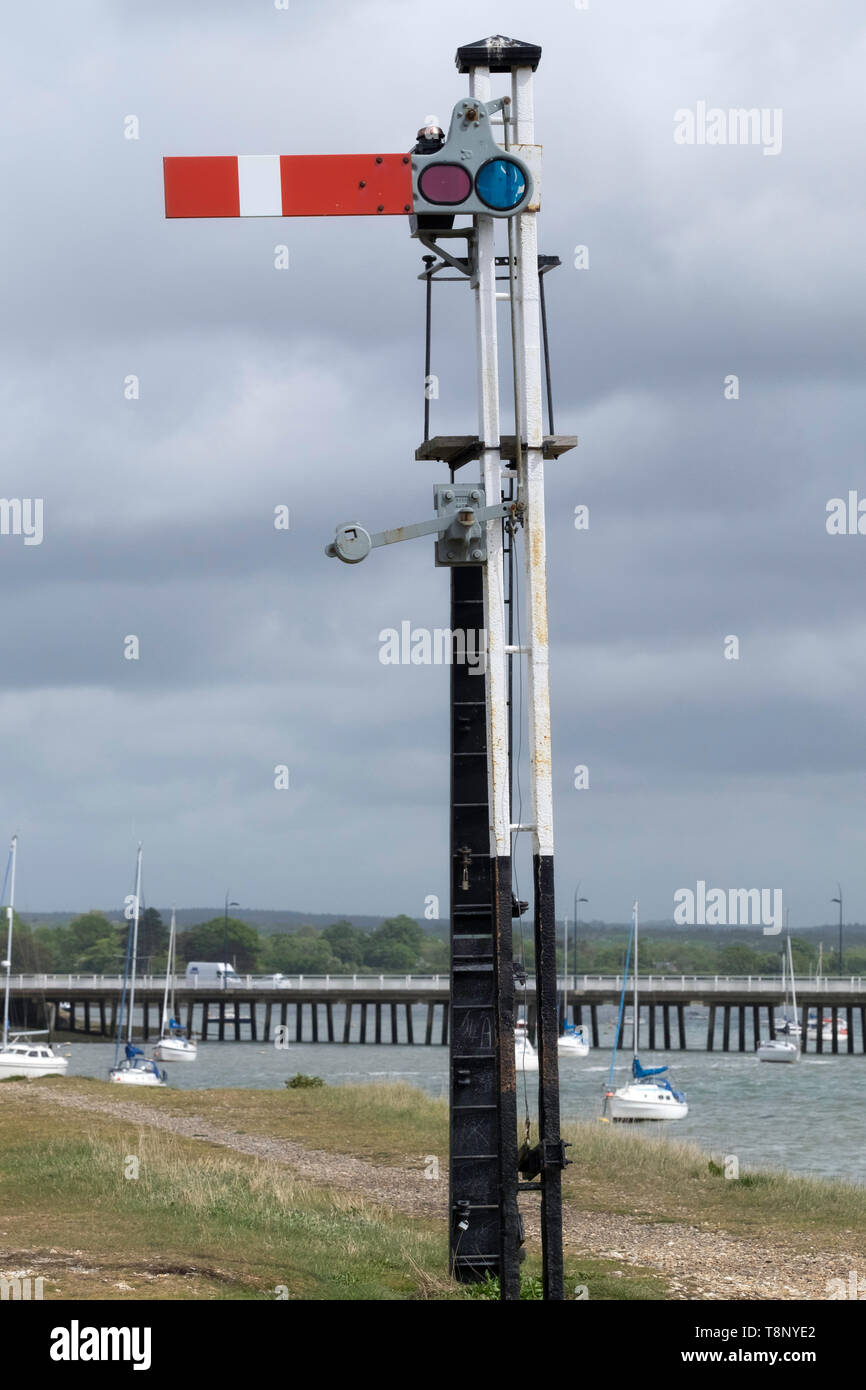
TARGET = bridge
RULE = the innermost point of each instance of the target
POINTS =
(385, 1008)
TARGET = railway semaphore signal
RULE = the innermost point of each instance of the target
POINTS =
(485, 169)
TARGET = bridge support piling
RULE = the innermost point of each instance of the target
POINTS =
(742, 1022)
(651, 1010)
(756, 1023)
(347, 1021)
(726, 1028)
(711, 1027)
(428, 1031)
(445, 1023)
(834, 1015)
(329, 1014)
(593, 1016)
(363, 1007)
(819, 1029)
(299, 1022)
(681, 1026)
(849, 1019)
(378, 1022)
(267, 1033)
(410, 1036)
(771, 1021)
(666, 1025)
(314, 1010)
(221, 1021)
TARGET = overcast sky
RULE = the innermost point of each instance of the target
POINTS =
(304, 387)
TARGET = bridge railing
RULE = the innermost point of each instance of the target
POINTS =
(749, 984)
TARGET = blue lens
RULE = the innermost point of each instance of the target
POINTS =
(500, 183)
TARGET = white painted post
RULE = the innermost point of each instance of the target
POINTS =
(487, 348)
(530, 429)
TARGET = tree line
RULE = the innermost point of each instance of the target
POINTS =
(92, 942)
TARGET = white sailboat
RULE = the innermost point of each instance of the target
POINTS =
(525, 1055)
(20, 1054)
(783, 1049)
(573, 1041)
(645, 1097)
(173, 1045)
(826, 1028)
(136, 1069)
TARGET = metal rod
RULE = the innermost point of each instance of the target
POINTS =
(550, 428)
(429, 261)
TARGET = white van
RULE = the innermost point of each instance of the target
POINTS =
(211, 972)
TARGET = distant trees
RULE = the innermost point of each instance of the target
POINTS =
(347, 944)
(241, 944)
(89, 942)
(29, 955)
(399, 944)
(152, 938)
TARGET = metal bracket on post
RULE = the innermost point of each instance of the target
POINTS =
(462, 539)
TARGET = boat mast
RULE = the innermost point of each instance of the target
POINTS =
(9, 911)
(134, 941)
(168, 976)
(636, 1015)
(793, 984)
(564, 971)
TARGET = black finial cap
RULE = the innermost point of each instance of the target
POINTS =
(499, 54)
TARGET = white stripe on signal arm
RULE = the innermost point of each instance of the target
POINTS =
(259, 186)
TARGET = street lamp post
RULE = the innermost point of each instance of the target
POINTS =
(225, 936)
(577, 901)
(839, 901)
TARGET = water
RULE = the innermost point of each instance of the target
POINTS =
(807, 1117)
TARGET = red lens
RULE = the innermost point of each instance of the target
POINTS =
(444, 183)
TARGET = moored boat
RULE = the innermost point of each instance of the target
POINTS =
(20, 1053)
(778, 1050)
(574, 1041)
(649, 1095)
(173, 1045)
(782, 1049)
(525, 1055)
(136, 1069)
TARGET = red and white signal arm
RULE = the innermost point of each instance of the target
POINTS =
(288, 185)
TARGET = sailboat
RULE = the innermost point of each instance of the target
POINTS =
(173, 1045)
(826, 1027)
(525, 1055)
(20, 1054)
(135, 1069)
(783, 1049)
(573, 1041)
(645, 1097)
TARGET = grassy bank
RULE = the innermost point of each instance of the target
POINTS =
(202, 1221)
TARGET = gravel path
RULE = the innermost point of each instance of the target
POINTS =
(696, 1263)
